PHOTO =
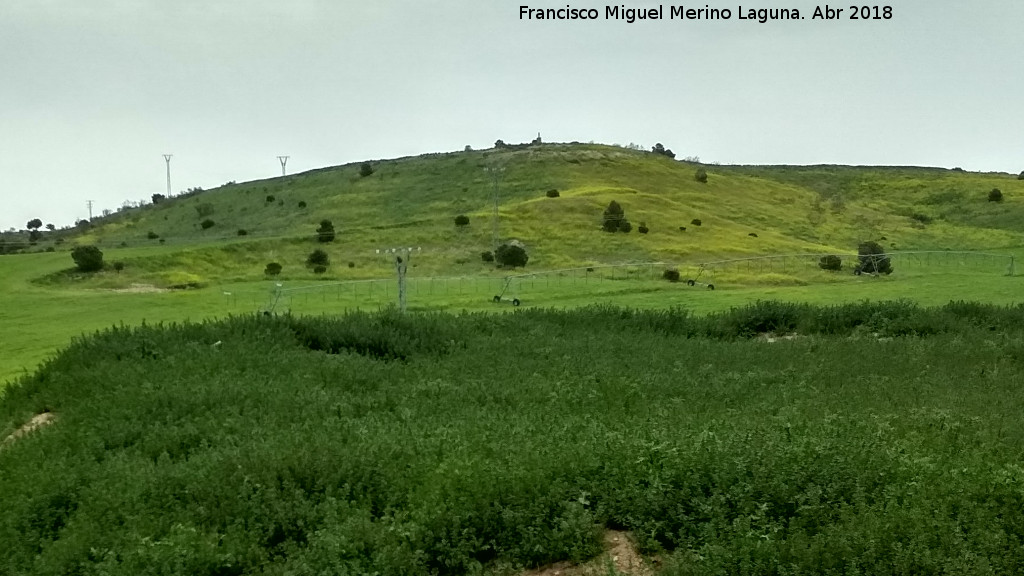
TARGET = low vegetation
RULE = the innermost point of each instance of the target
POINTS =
(440, 444)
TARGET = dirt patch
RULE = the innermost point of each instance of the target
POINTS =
(770, 337)
(37, 421)
(140, 289)
(619, 552)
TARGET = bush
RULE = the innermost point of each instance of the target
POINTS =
(318, 257)
(325, 233)
(207, 224)
(319, 269)
(995, 195)
(487, 256)
(302, 204)
(830, 262)
(270, 199)
(643, 229)
(204, 210)
(365, 169)
(752, 234)
(243, 232)
(612, 216)
(926, 219)
(625, 226)
(511, 255)
(552, 193)
(351, 264)
(672, 275)
(695, 221)
(158, 198)
(118, 266)
(87, 258)
(152, 235)
(682, 228)
(701, 176)
(272, 269)
(462, 220)
(660, 149)
(872, 259)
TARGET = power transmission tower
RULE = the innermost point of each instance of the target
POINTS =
(496, 176)
(167, 158)
(401, 266)
(89, 204)
(283, 160)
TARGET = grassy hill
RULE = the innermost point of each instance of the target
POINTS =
(413, 201)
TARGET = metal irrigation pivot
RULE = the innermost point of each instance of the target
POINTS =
(402, 258)
(283, 160)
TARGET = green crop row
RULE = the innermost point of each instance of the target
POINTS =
(865, 439)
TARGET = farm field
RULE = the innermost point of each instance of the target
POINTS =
(876, 438)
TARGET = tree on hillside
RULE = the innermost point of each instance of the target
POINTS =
(87, 258)
(325, 233)
(701, 175)
(614, 219)
(51, 227)
(660, 149)
(511, 255)
(34, 224)
(365, 169)
(872, 259)
(318, 257)
(158, 198)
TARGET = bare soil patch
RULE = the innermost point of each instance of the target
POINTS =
(619, 553)
(37, 421)
(140, 289)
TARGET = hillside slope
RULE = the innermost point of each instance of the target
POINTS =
(413, 201)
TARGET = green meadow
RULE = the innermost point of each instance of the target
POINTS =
(771, 418)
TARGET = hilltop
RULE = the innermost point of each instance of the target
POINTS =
(743, 211)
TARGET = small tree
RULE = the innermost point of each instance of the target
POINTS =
(272, 269)
(701, 175)
(365, 169)
(118, 266)
(158, 198)
(462, 220)
(511, 255)
(87, 258)
(612, 216)
(873, 259)
(830, 262)
(51, 227)
(325, 233)
(34, 224)
(318, 257)
(995, 195)
(207, 224)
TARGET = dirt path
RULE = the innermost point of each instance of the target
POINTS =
(619, 552)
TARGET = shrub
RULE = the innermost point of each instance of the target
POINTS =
(462, 220)
(162, 240)
(319, 269)
(152, 235)
(643, 229)
(830, 262)
(302, 204)
(672, 275)
(118, 266)
(365, 169)
(552, 193)
(682, 228)
(695, 221)
(995, 195)
(660, 149)
(351, 264)
(204, 210)
(926, 219)
(613, 214)
(270, 199)
(873, 259)
(243, 232)
(487, 256)
(325, 233)
(318, 257)
(158, 198)
(87, 258)
(701, 176)
(625, 226)
(511, 255)
(752, 234)
(272, 269)
(207, 224)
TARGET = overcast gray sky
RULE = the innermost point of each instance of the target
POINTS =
(93, 92)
